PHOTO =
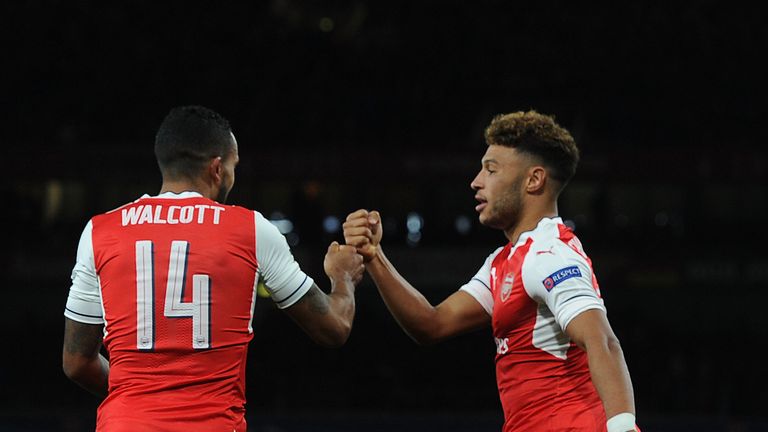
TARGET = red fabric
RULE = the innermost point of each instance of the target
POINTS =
(538, 391)
(175, 387)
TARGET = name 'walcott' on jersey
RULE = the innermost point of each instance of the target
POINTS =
(173, 279)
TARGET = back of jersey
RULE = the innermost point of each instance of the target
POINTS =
(177, 279)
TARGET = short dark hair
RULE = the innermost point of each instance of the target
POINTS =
(189, 137)
(538, 135)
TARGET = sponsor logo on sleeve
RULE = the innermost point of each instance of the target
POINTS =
(548, 251)
(561, 275)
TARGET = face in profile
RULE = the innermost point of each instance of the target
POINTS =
(499, 187)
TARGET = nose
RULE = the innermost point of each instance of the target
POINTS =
(477, 182)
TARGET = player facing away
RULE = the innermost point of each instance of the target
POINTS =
(559, 365)
(168, 282)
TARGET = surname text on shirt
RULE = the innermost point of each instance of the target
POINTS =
(159, 214)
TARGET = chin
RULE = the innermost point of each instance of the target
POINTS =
(487, 221)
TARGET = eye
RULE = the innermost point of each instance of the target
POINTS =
(490, 171)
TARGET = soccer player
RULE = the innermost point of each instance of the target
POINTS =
(168, 282)
(559, 365)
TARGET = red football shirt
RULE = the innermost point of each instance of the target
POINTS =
(175, 280)
(532, 289)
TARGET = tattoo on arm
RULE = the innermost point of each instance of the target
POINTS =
(316, 300)
(83, 339)
(82, 360)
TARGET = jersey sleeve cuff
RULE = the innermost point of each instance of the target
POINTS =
(82, 318)
(481, 293)
(575, 307)
(304, 284)
(83, 311)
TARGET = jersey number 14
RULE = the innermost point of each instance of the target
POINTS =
(199, 309)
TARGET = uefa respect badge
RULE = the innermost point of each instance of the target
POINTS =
(561, 275)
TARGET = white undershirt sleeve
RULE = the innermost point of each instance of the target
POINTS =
(281, 273)
(479, 287)
(84, 301)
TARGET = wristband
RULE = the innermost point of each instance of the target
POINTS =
(622, 423)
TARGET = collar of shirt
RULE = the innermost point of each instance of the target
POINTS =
(543, 223)
(174, 195)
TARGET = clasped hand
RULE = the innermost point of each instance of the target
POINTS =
(362, 229)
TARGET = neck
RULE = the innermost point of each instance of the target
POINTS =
(178, 186)
(530, 219)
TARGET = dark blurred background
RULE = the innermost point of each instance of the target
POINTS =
(361, 104)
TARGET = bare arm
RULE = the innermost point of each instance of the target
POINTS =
(327, 318)
(424, 323)
(81, 360)
(591, 331)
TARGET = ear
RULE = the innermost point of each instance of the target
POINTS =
(537, 179)
(216, 170)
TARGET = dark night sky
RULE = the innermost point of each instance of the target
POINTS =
(384, 104)
(395, 72)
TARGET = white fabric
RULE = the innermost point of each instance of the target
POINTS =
(84, 302)
(623, 422)
(174, 195)
(569, 297)
(479, 286)
(547, 256)
(281, 274)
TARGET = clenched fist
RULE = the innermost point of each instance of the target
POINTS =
(362, 229)
(342, 262)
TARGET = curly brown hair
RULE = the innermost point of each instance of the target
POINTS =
(537, 135)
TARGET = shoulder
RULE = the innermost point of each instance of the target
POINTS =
(269, 238)
(259, 217)
(115, 212)
(483, 275)
(264, 225)
(555, 252)
(117, 209)
(556, 240)
(499, 255)
(233, 212)
(236, 209)
(494, 254)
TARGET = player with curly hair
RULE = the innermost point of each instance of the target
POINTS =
(559, 365)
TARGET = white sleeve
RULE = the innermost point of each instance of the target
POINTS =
(284, 279)
(561, 278)
(84, 302)
(479, 286)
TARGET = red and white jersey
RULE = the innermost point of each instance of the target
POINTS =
(532, 289)
(173, 279)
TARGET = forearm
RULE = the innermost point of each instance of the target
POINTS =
(341, 301)
(81, 357)
(611, 378)
(91, 374)
(326, 318)
(410, 308)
